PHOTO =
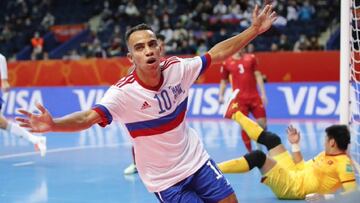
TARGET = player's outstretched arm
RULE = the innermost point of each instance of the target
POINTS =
(261, 22)
(44, 122)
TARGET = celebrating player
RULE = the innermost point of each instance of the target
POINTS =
(152, 103)
(291, 177)
(131, 169)
(13, 128)
(242, 68)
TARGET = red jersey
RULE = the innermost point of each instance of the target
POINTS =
(242, 74)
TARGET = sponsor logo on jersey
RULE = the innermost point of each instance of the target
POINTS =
(145, 106)
(349, 168)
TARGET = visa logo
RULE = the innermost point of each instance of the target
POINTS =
(310, 100)
(86, 101)
(21, 99)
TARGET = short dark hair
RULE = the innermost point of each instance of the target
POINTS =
(139, 27)
(341, 135)
(160, 37)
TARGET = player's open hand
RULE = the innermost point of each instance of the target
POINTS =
(293, 135)
(262, 20)
(42, 122)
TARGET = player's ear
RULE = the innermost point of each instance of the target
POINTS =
(129, 56)
(332, 142)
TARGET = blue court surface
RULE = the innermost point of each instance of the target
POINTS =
(88, 166)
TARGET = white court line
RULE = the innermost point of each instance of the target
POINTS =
(9, 156)
(24, 163)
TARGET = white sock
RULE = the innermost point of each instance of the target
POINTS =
(21, 132)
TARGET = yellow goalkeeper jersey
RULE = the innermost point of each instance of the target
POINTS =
(323, 174)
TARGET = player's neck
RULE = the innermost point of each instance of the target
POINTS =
(335, 152)
(150, 78)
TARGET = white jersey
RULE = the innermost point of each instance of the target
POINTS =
(3, 68)
(167, 150)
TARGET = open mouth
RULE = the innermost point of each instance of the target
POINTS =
(151, 61)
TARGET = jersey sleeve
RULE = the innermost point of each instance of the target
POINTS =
(347, 175)
(194, 67)
(224, 73)
(110, 106)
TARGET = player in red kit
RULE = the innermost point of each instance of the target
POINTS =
(241, 70)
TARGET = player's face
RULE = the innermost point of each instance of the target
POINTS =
(144, 50)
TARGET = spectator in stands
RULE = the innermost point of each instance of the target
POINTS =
(152, 20)
(250, 48)
(6, 33)
(219, 36)
(306, 11)
(302, 44)
(314, 44)
(132, 11)
(98, 50)
(167, 32)
(72, 55)
(292, 11)
(37, 43)
(116, 48)
(202, 48)
(284, 44)
(220, 8)
(274, 47)
(48, 21)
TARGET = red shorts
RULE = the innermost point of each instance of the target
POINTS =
(253, 105)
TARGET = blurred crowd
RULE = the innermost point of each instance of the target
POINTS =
(189, 26)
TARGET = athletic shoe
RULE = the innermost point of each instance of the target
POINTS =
(131, 169)
(231, 106)
(41, 145)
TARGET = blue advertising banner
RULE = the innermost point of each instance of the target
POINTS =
(285, 100)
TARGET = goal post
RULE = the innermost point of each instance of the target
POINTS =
(350, 75)
(345, 65)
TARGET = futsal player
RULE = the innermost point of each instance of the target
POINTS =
(152, 103)
(290, 177)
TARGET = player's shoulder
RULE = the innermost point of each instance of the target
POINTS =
(170, 62)
(2, 56)
(125, 81)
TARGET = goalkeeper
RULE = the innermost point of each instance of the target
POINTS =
(291, 177)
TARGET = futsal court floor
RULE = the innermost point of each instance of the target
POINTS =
(88, 166)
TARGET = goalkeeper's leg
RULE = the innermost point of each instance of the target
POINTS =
(244, 164)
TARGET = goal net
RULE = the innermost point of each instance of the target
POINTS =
(350, 74)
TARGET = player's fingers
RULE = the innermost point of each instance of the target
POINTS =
(273, 16)
(265, 10)
(256, 11)
(25, 125)
(40, 107)
(22, 120)
(269, 10)
(25, 113)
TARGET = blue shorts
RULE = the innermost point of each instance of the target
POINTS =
(207, 184)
